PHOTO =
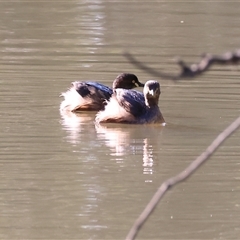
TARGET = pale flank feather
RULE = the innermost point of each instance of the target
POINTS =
(72, 99)
(113, 111)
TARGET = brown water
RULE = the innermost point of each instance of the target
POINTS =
(64, 178)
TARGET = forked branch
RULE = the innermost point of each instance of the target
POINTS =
(192, 70)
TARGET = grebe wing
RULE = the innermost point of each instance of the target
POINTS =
(132, 101)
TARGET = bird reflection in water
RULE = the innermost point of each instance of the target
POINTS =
(147, 157)
(122, 140)
(114, 138)
(131, 139)
(75, 124)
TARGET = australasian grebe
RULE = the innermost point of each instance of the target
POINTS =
(130, 106)
(93, 95)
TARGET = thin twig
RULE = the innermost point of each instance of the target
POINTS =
(193, 70)
(181, 176)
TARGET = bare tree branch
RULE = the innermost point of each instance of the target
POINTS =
(189, 71)
(181, 176)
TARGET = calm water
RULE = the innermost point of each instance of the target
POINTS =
(62, 177)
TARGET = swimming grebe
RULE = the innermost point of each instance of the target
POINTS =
(130, 106)
(93, 95)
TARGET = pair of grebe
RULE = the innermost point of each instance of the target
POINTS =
(120, 104)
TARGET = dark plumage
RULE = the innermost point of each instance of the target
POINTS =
(130, 106)
(93, 95)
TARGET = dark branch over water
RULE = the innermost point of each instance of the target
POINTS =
(192, 70)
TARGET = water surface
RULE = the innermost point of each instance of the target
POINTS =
(62, 177)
